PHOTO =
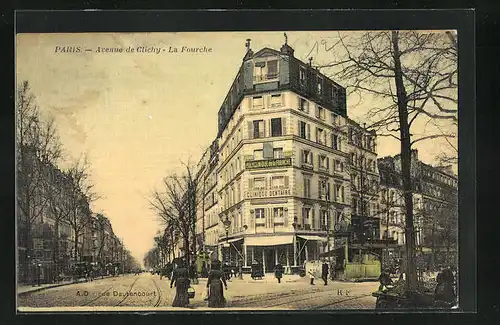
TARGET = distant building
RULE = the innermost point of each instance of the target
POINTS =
(435, 206)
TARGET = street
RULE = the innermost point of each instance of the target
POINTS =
(148, 292)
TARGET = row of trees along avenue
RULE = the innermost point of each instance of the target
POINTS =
(414, 75)
(43, 188)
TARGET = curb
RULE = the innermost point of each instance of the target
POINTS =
(46, 287)
(55, 285)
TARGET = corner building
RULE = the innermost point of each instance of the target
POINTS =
(281, 181)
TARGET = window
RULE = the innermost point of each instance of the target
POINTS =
(302, 130)
(319, 85)
(320, 112)
(305, 213)
(278, 153)
(323, 162)
(259, 182)
(338, 166)
(322, 189)
(307, 157)
(278, 213)
(335, 119)
(276, 127)
(265, 70)
(320, 136)
(335, 96)
(276, 100)
(307, 187)
(335, 140)
(278, 181)
(337, 192)
(303, 105)
(272, 69)
(258, 155)
(259, 213)
(257, 102)
(258, 129)
(302, 75)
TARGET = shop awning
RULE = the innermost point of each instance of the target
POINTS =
(232, 240)
(269, 240)
(312, 237)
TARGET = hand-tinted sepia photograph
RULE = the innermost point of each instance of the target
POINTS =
(202, 171)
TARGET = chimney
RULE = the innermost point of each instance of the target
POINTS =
(249, 53)
(286, 49)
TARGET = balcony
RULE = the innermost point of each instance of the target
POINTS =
(265, 77)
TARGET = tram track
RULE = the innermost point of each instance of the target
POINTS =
(126, 296)
(157, 304)
(341, 301)
(280, 296)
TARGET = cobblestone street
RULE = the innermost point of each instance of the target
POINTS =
(148, 292)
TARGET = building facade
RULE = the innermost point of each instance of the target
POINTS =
(282, 177)
(435, 207)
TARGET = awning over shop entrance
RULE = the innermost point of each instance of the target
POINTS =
(232, 240)
(269, 240)
(312, 237)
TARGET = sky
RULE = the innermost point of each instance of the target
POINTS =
(138, 115)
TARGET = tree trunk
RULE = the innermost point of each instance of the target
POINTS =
(76, 246)
(56, 248)
(404, 128)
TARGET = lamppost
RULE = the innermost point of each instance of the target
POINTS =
(227, 224)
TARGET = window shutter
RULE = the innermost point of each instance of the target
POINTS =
(302, 156)
(283, 126)
(307, 107)
(313, 219)
(308, 129)
(250, 129)
(286, 181)
(319, 189)
(312, 160)
(317, 111)
(328, 163)
(298, 130)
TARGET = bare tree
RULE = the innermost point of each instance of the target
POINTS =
(79, 196)
(176, 206)
(415, 73)
(37, 146)
(364, 186)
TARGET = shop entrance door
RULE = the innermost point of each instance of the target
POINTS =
(270, 260)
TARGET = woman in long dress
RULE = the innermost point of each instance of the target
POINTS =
(214, 284)
(182, 283)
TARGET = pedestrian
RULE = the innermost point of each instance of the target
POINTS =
(278, 272)
(310, 271)
(214, 285)
(181, 280)
(324, 272)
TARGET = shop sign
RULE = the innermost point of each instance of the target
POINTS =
(269, 163)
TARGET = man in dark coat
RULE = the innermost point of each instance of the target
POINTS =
(278, 272)
(324, 272)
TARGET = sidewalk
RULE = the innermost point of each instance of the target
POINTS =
(26, 288)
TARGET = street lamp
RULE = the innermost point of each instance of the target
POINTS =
(227, 224)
